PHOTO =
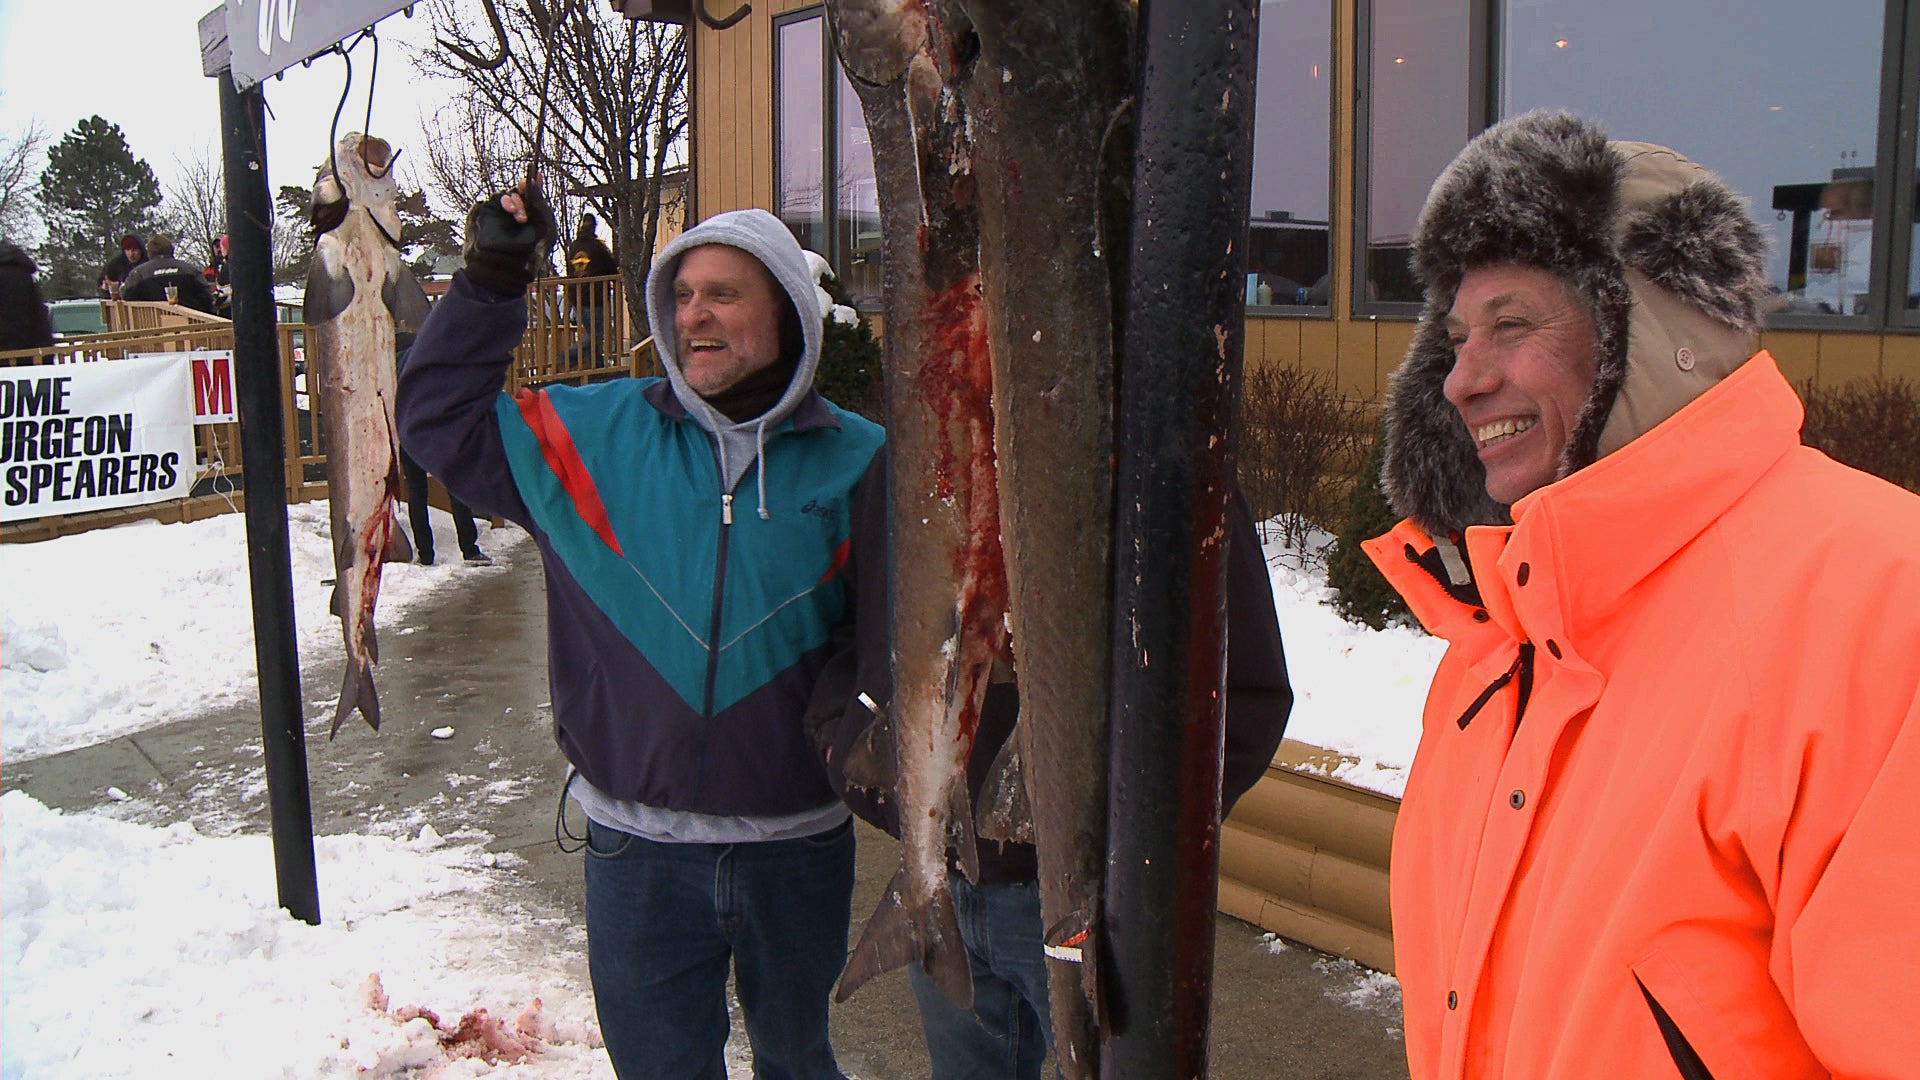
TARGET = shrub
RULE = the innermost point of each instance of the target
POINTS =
(1363, 594)
(1298, 444)
(1872, 425)
(850, 369)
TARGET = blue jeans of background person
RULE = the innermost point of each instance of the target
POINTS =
(666, 921)
(1008, 1032)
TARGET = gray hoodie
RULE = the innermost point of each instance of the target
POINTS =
(762, 236)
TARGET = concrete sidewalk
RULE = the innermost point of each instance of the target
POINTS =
(474, 660)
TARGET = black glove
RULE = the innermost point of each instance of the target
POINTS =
(503, 255)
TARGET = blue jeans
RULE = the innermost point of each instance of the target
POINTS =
(665, 920)
(1009, 1031)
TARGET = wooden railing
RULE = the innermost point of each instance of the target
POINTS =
(578, 332)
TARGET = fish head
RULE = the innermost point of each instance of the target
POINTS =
(360, 171)
(877, 39)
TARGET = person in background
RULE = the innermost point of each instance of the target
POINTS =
(691, 529)
(588, 257)
(132, 254)
(419, 512)
(24, 320)
(1661, 821)
(162, 273)
(1008, 1031)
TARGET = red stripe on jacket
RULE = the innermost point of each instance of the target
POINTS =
(556, 446)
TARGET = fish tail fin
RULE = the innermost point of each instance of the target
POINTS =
(1005, 812)
(898, 935)
(356, 692)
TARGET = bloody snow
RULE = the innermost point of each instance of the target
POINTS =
(133, 946)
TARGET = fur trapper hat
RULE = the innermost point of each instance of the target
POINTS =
(1664, 255)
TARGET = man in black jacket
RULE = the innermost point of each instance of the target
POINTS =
(999, 916)
(588, 257)
(24, 321)
(152, 279)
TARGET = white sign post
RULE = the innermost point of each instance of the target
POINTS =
(78, 437)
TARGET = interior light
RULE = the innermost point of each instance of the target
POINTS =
(1775, 108)
(1399, 59)
(1560, 44)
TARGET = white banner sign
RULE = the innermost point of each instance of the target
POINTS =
(76, 437)
(269, 36)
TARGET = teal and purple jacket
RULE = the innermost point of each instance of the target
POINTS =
(684, 640)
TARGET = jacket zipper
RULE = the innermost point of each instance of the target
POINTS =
(1522, 669)
(719, 590)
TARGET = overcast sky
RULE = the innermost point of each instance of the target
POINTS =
(137, 64)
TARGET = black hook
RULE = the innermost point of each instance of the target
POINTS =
(499, 34)
(700, 9)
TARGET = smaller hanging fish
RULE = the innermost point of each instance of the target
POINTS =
(357, 289)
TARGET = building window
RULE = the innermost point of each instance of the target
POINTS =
(1906, 181)
(1789, 119)
(1289, 252)
(823, 182)
(1416, 114)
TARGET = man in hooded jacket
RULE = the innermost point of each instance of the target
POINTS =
(694, 531)
(1661, 821)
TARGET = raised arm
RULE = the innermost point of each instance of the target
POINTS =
(453, 375)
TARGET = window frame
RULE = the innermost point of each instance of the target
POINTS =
(1482, 35)
(831, 217)
(1314, 311)
(1903, 278)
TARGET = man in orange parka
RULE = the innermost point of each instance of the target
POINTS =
(1665, 816)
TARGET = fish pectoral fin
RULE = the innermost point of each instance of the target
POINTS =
(1005, 812)
(328, 292)
(898, 935)
(398, 548)
(405, 299)
(872, 763)
(960, 835)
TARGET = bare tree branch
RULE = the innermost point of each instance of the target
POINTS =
(195, 206)
(19, 176)
(616, 112)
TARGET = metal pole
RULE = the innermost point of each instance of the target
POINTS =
(1183, 331)
(263, 451)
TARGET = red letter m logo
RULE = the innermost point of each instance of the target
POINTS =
(213, 389)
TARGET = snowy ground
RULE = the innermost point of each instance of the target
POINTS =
(150, 949)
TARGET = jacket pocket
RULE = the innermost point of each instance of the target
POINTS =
(1684, 1057)
(1706, 1022)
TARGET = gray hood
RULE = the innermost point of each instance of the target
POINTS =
(1664, 255)
(762, 236)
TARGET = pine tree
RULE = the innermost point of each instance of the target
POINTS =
(1364, 596)
(93, 192)
(850, 370)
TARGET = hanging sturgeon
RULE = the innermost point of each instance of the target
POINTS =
(947, 577)
(357, 289)
(1001, 179)
(1052, 152)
